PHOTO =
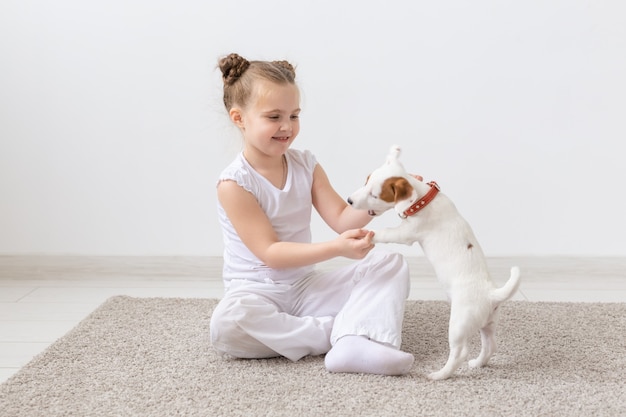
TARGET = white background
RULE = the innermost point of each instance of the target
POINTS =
(112, 130)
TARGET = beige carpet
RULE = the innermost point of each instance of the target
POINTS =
(151, 357)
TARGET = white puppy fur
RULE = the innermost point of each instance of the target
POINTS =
(449, 244)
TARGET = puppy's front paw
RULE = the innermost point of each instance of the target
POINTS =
(383, 236)
(393, 236)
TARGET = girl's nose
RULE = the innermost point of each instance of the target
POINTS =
(286, 126)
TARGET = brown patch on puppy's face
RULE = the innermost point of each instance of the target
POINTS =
(395, 189)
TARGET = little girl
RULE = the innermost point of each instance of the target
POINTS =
(276, 303)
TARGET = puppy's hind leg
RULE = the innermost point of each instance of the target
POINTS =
(458, 354)
(455, 359)
(488, 342)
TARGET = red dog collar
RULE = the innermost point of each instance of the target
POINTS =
(422, 202)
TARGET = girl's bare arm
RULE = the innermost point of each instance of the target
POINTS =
(257, 233)
(335, 211)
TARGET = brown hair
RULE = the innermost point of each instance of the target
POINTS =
(239, 75)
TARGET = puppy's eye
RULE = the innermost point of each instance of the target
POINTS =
(375, 197)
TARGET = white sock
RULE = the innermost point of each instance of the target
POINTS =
(358, 354)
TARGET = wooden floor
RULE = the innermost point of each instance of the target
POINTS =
(43, 297)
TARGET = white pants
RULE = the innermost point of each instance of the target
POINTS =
(307, 316)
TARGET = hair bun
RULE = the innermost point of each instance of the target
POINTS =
(285, 65)
(232, 67)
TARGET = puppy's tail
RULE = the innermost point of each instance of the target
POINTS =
(505, 292)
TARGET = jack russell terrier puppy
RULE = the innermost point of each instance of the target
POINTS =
(430, 218)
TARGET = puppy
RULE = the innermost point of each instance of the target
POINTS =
(430, 218)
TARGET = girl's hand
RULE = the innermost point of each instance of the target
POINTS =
(355, 243)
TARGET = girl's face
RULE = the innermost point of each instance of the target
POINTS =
(270, 122)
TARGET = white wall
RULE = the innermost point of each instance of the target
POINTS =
(112, 130)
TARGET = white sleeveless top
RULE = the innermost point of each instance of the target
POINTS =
(289, 211)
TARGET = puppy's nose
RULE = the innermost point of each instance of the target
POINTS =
(349, 201)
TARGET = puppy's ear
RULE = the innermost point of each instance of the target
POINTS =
(395, 189)
(394, 154)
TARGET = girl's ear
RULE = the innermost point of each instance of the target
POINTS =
(236, 117)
